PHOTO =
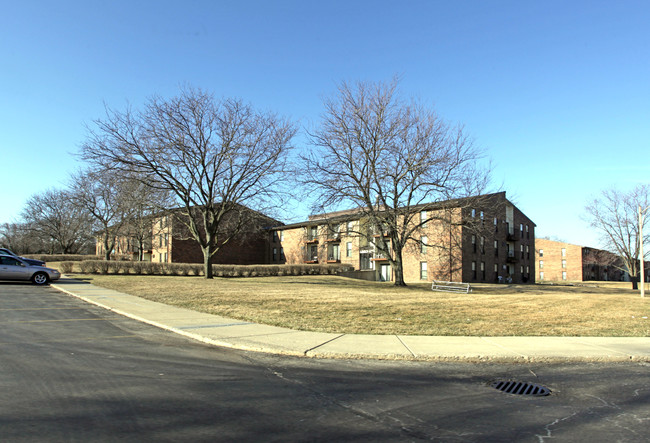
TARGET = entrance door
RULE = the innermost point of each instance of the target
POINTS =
(384, 273)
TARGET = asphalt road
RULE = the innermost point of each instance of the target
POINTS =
(70, 371)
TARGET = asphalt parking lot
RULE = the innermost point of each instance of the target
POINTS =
(76, 372)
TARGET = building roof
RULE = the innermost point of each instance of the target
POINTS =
(353, 214)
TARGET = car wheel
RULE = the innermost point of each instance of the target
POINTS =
(40, 278)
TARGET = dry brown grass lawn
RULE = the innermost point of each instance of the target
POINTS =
(337, 304)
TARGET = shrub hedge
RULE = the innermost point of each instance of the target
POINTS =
(186, 269)
(63, 257)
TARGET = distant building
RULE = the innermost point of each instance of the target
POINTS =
(560, 261)
(490, 242)
(169, 241)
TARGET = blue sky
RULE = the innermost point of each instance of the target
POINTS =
(556, 92)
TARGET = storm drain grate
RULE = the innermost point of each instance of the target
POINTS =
(520, 388)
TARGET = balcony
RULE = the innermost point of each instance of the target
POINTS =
(511, 236)
(512, 258)
(378, 256)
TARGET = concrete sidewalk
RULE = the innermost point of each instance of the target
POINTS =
(237, 334)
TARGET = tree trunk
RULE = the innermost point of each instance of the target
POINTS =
(207, 265)
(107, 250)
(635, 281)
(398, 271)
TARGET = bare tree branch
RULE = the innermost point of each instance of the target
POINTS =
(390, 159)
(614, 215)
(54, 215)
(215, 156)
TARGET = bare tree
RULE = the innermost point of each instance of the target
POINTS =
(615, 215)
(391, 159)
(145, 203)
(16, 237)
(54, 215)
(215, 156)
(107, 197)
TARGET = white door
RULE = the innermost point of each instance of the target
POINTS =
(384, 272)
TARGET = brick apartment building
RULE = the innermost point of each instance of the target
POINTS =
(486, 239)
(560, 261)
(170, 242)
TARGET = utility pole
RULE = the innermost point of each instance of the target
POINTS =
(641, 217)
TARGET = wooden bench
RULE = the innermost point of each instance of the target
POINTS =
(450, 286)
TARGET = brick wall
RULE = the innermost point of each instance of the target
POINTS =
(172, 243)
(461, 244)
(558, 261)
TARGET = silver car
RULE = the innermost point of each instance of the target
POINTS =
(15, 268)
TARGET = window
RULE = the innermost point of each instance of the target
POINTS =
(334, 232)
(521, 269)
(282, 254)
(348, 249)
(521, 248)
(483, 270)
(9, 261)
(474, 243)
(528, 252)
(496, 248)
(482, 245)
(496, 268)
(423, 270)
(563, 252)
(521, 230)
(474, 270)
(563, 275)
(527, 232)
(541, 264)
(423, 244)
(541, 275)
(281, 235)
(541, 253)
(496, 224)
(423, 218)
(364, 260)
(313, 233)
(313, 253)
(275, 254)
(166, 240)
(564, 264)
(334, 252)
(349, 226)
